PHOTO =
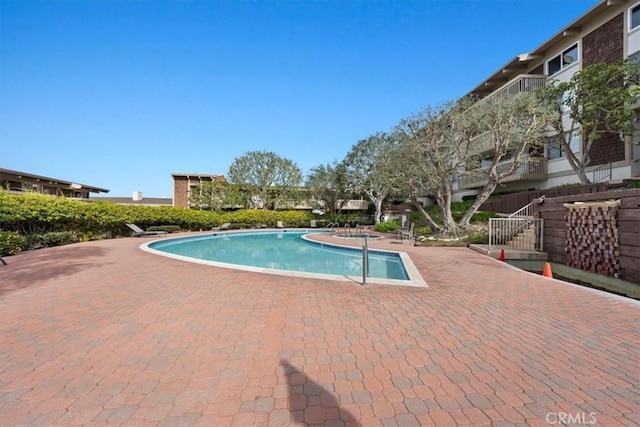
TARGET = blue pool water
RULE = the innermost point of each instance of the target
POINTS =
(284, 251)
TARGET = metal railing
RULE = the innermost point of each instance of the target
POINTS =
(521, 233)
(529, 169)
(602, 172)
(525, 211)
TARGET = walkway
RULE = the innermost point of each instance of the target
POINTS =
(102, 333)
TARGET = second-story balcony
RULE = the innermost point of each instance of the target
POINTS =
(533, 169)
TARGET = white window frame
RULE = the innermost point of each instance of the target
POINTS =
(629, 20)
(575, 142)
(559, 54)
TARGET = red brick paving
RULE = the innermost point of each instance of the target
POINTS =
(102, 333)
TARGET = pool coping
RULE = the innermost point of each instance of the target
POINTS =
(415, 278)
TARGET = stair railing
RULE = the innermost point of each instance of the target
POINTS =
(515, 231)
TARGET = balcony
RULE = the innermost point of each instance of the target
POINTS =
(534, 169)
(356, 205)
(482, 144)
(521, 83)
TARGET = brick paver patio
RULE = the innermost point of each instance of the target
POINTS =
(102, 333)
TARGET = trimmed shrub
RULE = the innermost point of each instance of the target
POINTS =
(482, 216)
(478, 238)
(11, 243)
(52, 238)
(387, 226)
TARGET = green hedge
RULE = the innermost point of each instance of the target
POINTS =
(52, 238)
(11, 243)
(387, 226)
(36, 214)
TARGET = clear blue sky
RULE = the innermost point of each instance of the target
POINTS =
(120, 94)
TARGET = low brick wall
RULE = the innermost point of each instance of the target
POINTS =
(627, 221)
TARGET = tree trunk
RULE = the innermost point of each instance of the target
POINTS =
(378, 204)
(435, 228)
(444, 201)
(484, 195)
(576, 164)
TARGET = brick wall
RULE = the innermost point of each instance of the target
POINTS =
(554, 214)
(180, 192)
(605, 44)
(609, 148)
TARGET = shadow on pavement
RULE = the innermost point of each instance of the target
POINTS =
(35, 267)
(310, 403)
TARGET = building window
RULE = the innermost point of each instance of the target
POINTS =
(634, 17)
(555, 150)
(562, 60)
(564, 106)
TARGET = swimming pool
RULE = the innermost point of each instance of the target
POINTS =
(288, 252)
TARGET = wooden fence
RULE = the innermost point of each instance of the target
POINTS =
(560, 242)
(510, 203)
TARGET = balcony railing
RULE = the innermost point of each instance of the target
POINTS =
(533, 169)
(521, 83)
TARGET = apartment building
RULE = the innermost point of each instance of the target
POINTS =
(608, 32)
(184, 183)
(22, 182)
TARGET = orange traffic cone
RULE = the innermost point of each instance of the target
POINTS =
(546, 272)
(502, 257)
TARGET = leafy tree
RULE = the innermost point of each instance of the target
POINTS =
(517, 125)
(437, 145)
(327, 187)
(368, 169)
(429, 154)
(597, 100)
(214, 195)
(267, 176)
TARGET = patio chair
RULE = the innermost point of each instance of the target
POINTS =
(406, 233)
(313, 223)
(139, 232)
(224, 226)
(280, 224)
